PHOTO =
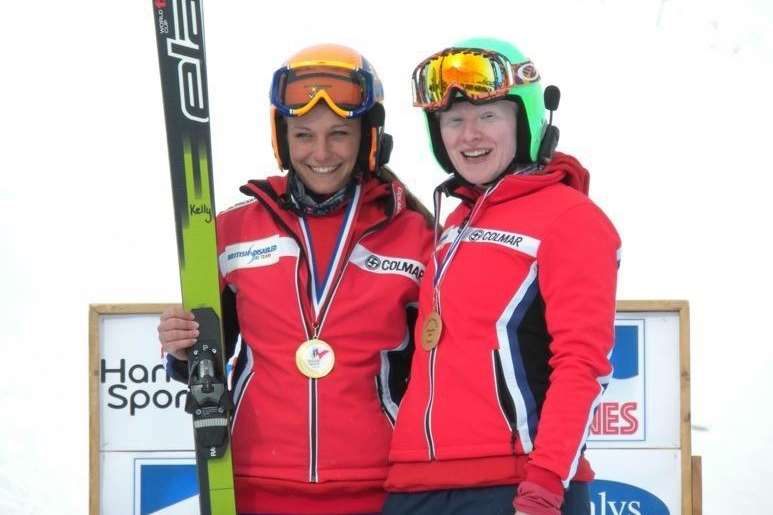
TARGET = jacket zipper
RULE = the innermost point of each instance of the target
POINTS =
(428, 411)
(380, 393)
(433, 356)
(313, 383)
(504, 400)
(313, 432)
(313, 408)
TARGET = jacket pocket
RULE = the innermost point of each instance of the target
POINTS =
(504, 399)
(388, 407)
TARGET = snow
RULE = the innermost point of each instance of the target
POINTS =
(666, 102)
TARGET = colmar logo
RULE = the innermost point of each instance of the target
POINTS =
(380, 264)
(496, 237)
(395, 265)
(373, 262)
(521, 243)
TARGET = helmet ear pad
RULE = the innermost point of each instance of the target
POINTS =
(375, 144)
(548, 144)
(279, 139)
(522, 132)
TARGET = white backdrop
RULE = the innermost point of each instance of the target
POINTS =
(666, 102)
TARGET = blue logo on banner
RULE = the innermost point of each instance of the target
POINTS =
(166, 485)
(613, 498)
(625, 355)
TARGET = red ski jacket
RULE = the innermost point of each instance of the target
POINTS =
(527, 301)
(300, 444)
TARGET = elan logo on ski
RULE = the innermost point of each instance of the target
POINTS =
(187, 48)
(160, 4)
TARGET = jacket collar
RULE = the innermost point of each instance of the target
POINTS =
(380, 201)
(562, 169)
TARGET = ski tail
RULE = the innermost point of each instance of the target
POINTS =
(180, 38)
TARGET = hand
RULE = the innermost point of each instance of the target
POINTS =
(177, 331)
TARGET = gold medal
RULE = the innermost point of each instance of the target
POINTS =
(315, 358)
(430, 331)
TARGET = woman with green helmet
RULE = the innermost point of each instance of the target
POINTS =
(517, 307)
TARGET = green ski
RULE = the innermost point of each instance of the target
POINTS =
(180, 38)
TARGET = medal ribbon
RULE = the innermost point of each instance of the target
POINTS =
(441, 270)
(322, 295)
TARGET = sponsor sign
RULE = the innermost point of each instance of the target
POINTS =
(621, 415)
(142, 451)
(144, 483)
(143, 463)
(165, 486)
(640, 408)
(636, 482)
(140, 407)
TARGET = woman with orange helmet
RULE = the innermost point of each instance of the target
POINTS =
(320, 273)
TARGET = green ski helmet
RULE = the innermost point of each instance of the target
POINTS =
(524, 89)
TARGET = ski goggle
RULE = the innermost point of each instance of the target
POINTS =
(347, 90)
(480, 75)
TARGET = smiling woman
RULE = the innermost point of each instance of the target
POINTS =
(323, 148)
(479, 138)
(517, 304)
(320, 275)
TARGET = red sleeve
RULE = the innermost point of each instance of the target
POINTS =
(221, 238)
(577, 275)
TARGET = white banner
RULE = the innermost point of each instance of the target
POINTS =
(640, 408)
(636, 481)
(139, 408)
(146, 463)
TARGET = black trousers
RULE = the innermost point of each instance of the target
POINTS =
(495, 500)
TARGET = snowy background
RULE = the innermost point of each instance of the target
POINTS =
(666, 102)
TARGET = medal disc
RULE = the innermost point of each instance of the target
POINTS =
(315, 358)
(430, 331)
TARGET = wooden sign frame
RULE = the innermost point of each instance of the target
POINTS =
(691, 466)
(682, 308)
(95, 312)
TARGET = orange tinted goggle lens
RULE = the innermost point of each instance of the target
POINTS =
(477, 75)
(302, 86)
